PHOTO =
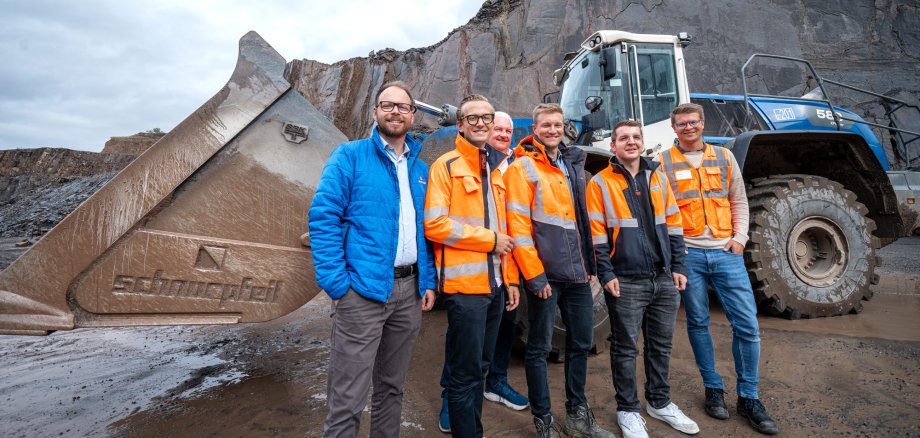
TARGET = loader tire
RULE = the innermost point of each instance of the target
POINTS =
(812, 251)
(557, 351)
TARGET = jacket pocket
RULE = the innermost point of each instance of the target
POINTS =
(470, 184)
(713, 177)
(723, 213)
(689, 210)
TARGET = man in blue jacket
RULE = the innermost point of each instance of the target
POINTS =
(371, 257)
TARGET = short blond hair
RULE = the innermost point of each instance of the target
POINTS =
(546, 108)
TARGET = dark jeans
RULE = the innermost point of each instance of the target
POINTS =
(577, 307)
(507, 330)
(472, 325)
(501, 358)
(650, 304)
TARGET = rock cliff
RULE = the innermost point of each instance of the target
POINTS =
(509, 50)
(39, 187)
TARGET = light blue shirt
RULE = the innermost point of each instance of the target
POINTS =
(406, 250)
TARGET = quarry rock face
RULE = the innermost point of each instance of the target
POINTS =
(509, 50)
(39, 187)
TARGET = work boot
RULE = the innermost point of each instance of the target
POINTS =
(672, 415)
(546, 427)
(581, 424)
(756, 413)
(715, 404)
(444, 417)
(632, 424)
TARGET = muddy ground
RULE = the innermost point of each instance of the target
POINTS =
(856, 375)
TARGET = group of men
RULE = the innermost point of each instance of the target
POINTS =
(488, 226)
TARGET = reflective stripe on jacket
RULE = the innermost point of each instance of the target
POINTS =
(550, 230)
(702, 194)
(616, 229)
(455, 221)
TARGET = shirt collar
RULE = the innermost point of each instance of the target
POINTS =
(391, 150)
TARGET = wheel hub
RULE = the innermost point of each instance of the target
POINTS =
(817, 251)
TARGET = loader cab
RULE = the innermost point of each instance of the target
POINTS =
(640, 77)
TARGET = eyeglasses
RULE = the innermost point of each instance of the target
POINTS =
(404, 108)
(474, 119)
(692, 124)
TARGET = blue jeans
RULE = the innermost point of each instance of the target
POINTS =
(472, 325)
(726, 273)
(577, 307)
(648, 303)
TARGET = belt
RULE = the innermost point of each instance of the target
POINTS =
(405, 271)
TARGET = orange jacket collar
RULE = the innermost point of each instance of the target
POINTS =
(526, 148)
(469, 153)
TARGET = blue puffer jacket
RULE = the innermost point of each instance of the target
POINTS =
(354, 220)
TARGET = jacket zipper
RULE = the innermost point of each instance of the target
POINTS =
(571, 191)
(631, 183)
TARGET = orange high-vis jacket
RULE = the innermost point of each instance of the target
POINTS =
(702, 194)
(549, 227)
(616, 229)
(455, 221)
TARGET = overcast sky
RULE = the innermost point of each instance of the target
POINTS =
(74, 73)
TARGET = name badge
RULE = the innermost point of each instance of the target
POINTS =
(682, 175)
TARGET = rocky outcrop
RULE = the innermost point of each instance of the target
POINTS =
(132, 145)
(509, 50)
(38, 187)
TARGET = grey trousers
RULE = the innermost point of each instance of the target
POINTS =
(372, 343)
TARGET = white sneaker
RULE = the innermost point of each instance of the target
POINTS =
(632, 424)
(672, 415)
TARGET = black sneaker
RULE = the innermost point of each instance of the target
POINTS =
(546, 427)
(715, 404)
(753, 410)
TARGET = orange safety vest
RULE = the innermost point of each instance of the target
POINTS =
(702, 194)
(455, 221)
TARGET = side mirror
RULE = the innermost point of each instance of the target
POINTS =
(593, 103)
(609, 62)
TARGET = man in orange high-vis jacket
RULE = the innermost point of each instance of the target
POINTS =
(637, 233)
(465, 220)
(497, 388)
(707, 183)
(548, 221)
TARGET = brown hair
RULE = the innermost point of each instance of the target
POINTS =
(398, 84)
(629, 123)
(467, 99)
(546, 108)
(687, 108)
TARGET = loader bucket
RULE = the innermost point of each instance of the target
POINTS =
(207, 226)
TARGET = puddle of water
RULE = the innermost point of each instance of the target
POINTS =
(77, 382)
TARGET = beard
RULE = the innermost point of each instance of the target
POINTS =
(385, 129)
